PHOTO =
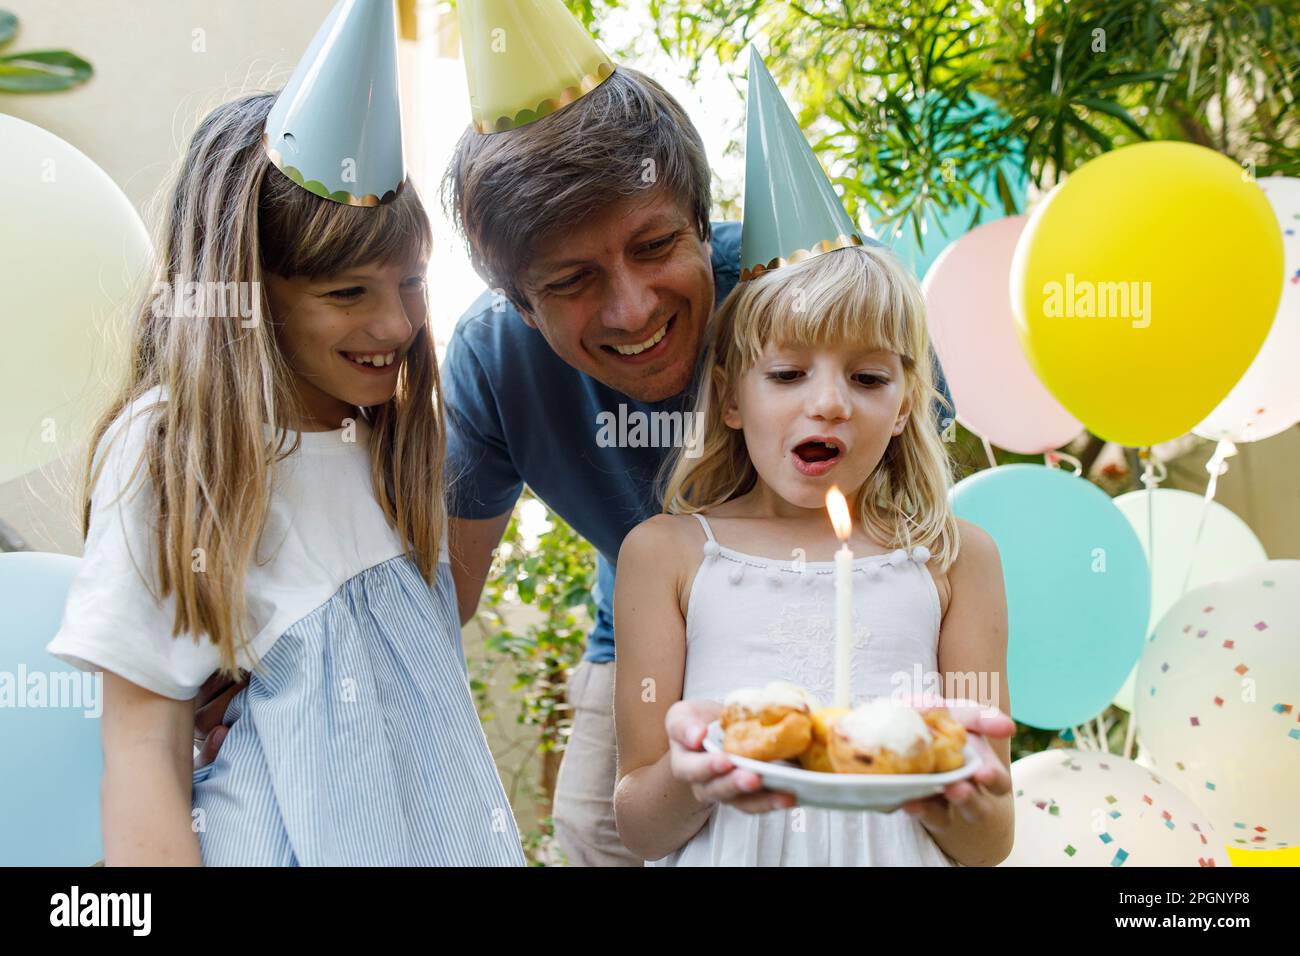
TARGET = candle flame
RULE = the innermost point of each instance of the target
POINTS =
(839, 512)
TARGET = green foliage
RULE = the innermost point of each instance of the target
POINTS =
(553, 577)
(877, 84)
(38, 71)
(556, 577)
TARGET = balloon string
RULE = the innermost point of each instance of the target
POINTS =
(1052, 458)
(1101, 733)
(1129, 735)
(1091, 735)
(988, 450)
(1216, 466)
(1085, 738)
(1150, 479)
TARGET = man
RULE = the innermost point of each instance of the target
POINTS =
(591, 225)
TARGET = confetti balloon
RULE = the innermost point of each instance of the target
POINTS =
(1131, 319)
(1267, 399)
(1226, 545)
(1217, 703)
(1078, 589)
(1086, 808)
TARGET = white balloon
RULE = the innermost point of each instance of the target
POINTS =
(1226, 545)
(1086, 808)
(72, 251)
(1267, 398)
(1217, 702)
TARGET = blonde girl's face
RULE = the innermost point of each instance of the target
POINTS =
(346, 336)
(818, 416)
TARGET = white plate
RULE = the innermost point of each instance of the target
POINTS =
(882, 792)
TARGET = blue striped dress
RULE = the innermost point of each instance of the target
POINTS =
(356, 740)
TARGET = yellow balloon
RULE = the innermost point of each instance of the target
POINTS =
(1289, 856)
(1144, 285)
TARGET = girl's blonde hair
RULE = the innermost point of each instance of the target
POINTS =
(231, 218)
(860, 294)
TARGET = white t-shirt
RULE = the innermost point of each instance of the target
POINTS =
(323, 527)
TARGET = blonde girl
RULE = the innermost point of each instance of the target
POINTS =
(818, 374)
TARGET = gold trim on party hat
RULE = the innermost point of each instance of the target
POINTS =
(799, 255)
(320, 189)
(526, 59)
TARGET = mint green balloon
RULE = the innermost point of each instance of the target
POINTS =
(50, 759)
(1078, 588)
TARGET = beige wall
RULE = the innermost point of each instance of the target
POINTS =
(1262, 486)
(151, 84)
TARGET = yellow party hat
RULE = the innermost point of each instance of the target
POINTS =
(525, 59)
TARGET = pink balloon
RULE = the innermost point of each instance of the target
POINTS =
(968, 300)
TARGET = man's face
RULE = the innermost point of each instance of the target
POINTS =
(626, 296)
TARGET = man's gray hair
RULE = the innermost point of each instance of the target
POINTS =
(507, 192)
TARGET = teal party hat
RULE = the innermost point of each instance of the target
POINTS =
(336, 128)
(791, 210)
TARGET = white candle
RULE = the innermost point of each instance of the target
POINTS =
(843, 524)
(843, 623)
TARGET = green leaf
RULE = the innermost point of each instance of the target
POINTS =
(1115, 110)
(42, 71)
(1132, 79)
(1004, 193)
(1094, 134)
(8, 26)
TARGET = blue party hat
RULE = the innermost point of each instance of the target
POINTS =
(336, 128)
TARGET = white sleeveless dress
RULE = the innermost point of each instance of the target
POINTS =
(751, 620)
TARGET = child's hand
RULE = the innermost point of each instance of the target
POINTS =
(210, 713)
(972, 799)
(713, 778)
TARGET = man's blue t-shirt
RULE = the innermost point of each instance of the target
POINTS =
(518, 414)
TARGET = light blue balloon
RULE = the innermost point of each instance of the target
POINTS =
(1078, 588)
(942, 228)
(50, 759)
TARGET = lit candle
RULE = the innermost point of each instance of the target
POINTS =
(843, 524)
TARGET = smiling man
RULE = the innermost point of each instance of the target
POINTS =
(591, 226)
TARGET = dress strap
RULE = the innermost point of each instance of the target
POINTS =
(708, 532)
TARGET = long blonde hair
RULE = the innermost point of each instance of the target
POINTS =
(231, 218)
(857, 294)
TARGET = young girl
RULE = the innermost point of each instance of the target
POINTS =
(265, 495)
(820, 375)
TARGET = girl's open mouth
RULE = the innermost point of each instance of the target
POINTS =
(815, 457)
